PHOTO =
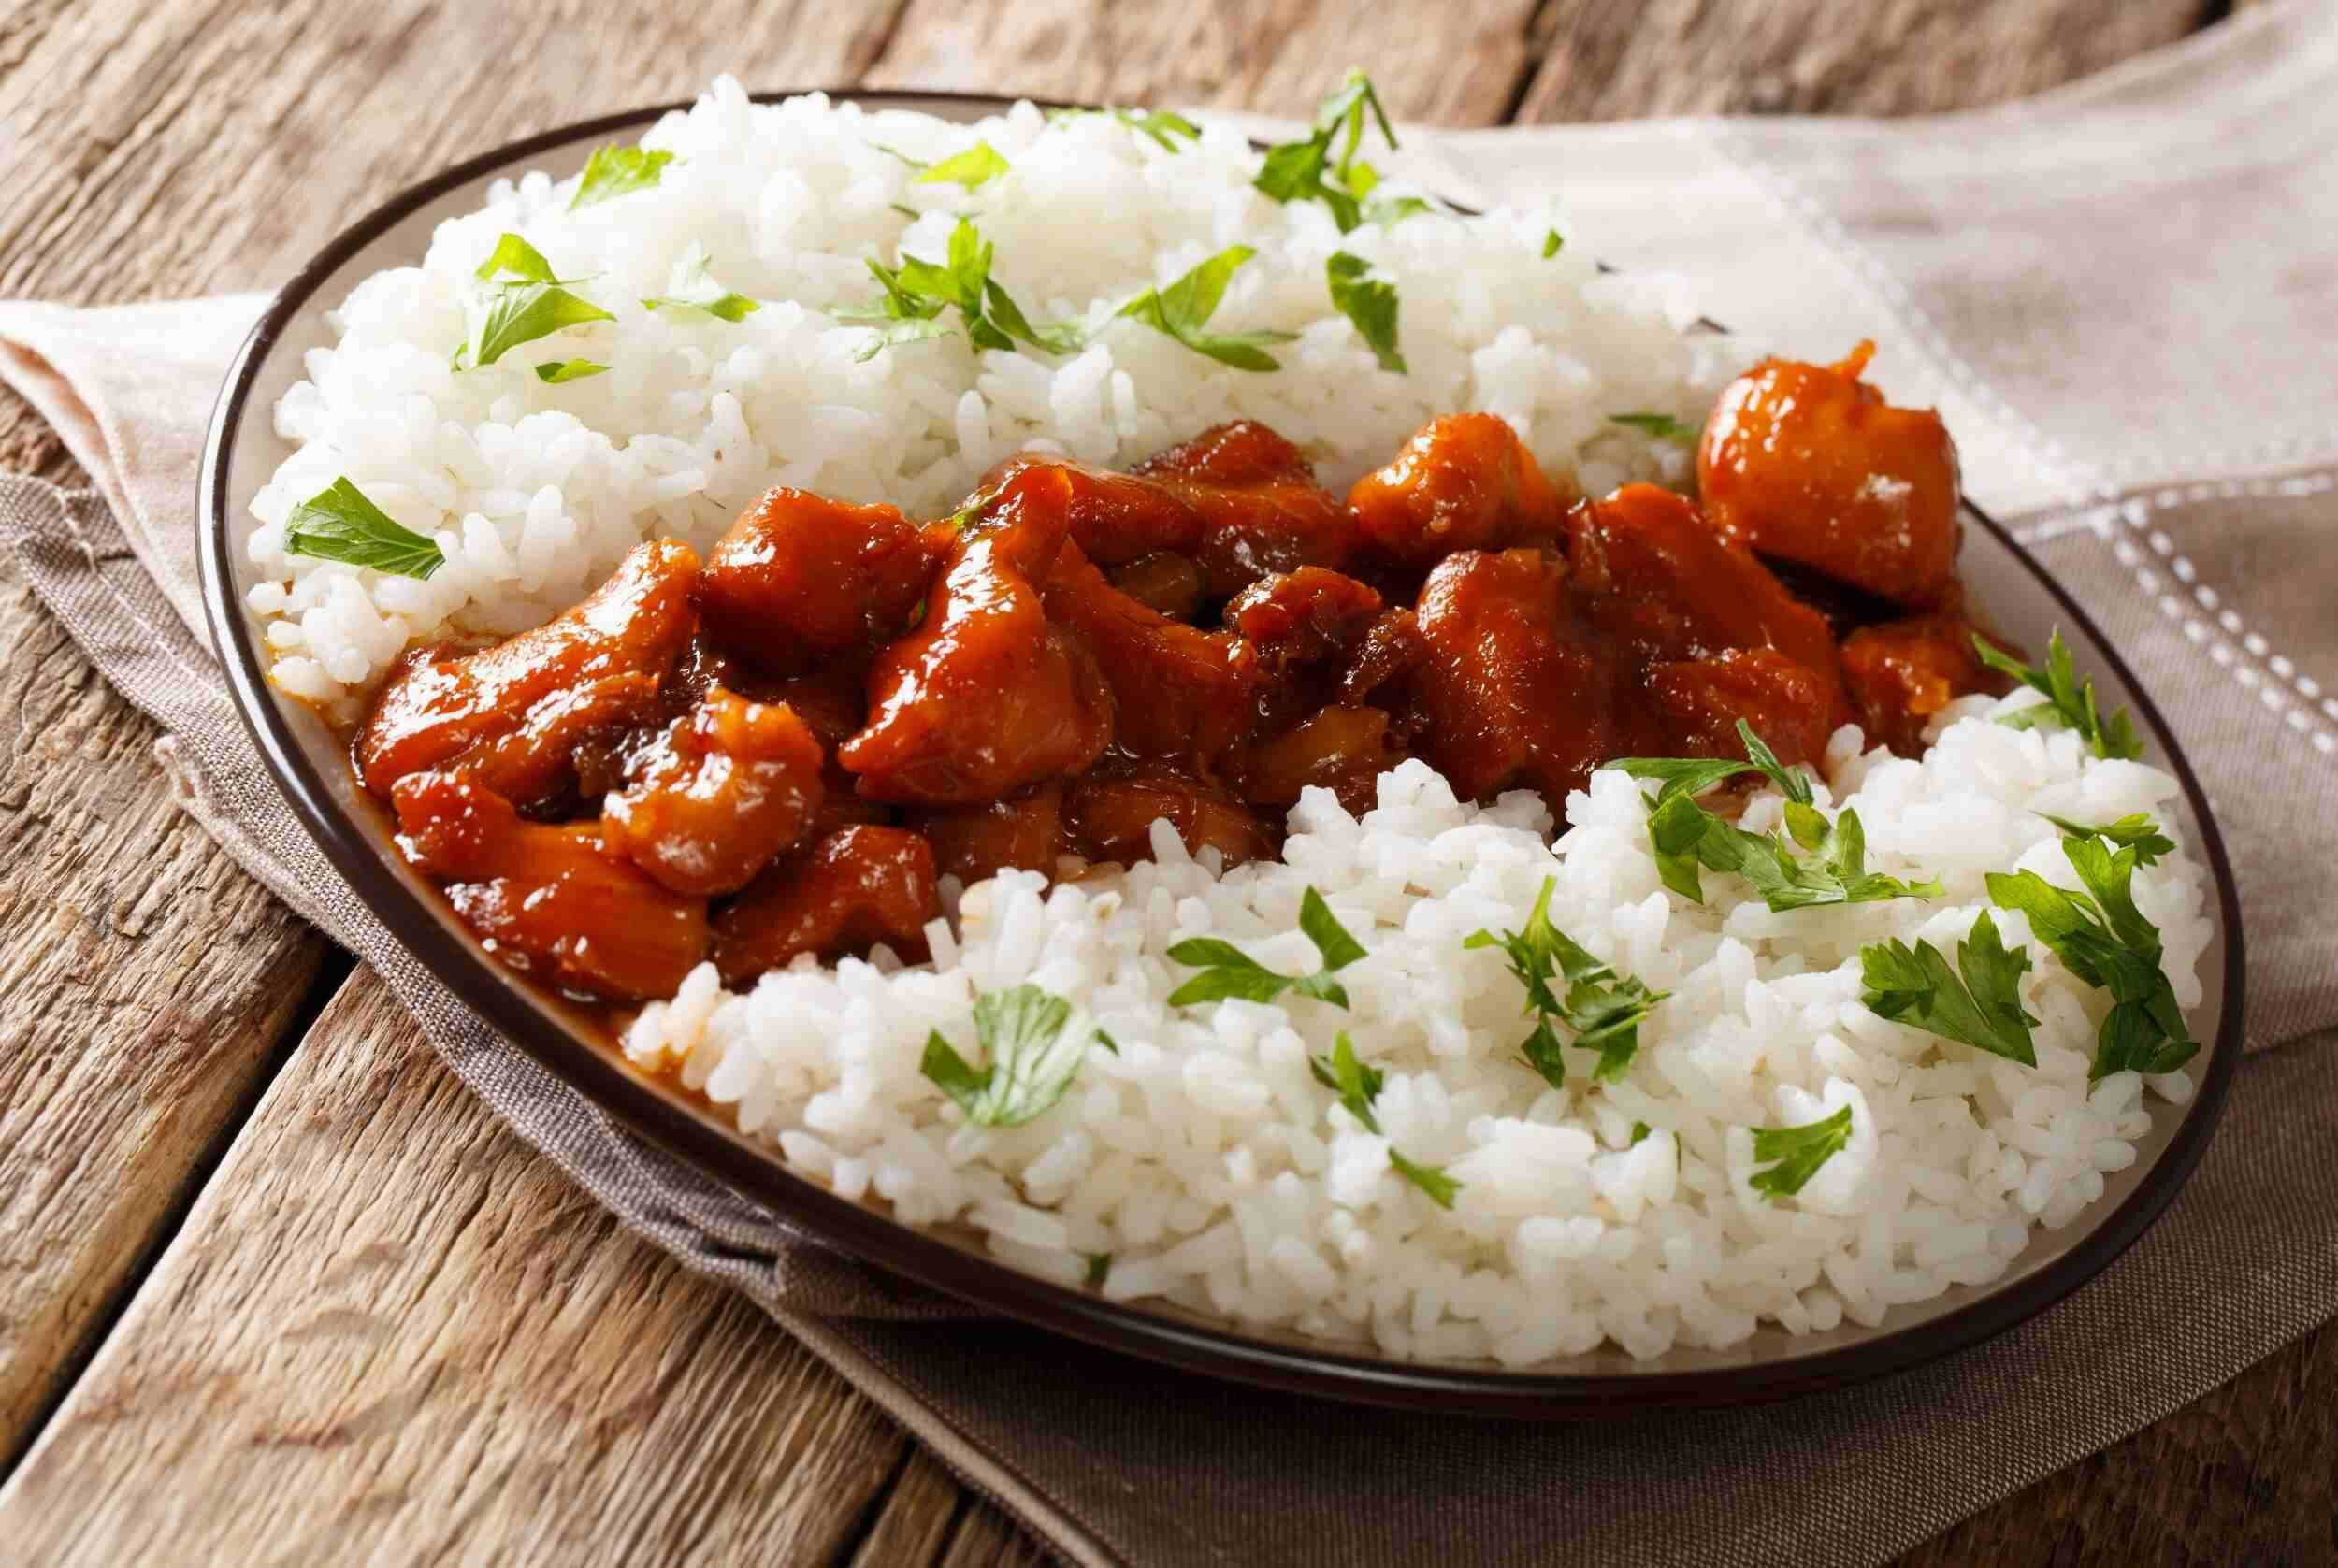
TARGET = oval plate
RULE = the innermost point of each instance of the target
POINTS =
(244, 449)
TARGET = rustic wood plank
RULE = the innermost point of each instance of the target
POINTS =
(918, 1516)
(386, 1319)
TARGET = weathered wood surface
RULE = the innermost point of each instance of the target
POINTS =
(384, 1328)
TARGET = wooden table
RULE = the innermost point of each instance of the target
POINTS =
(273, 1287)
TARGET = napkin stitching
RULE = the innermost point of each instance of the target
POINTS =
(114, 591)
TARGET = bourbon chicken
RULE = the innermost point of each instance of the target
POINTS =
(779, 754)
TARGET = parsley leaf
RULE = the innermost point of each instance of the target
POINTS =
(614, 171)
(2136, 830)
(2070, 701)
(1306, 171)
(525, 302)
(1639, 1131)
(1163, 125)
(1915, 985)
(1356, 1084)
(339, 524)
(1603, 1008)
(2105, 940)
(1099, 1265)
(1430, 1179)
(558, 370)
(1370, 303)
(1662, 426)
(698, 291)
(977, 166)
(1183, 308)
(1800, 1151)
(1228, 971)
(517, 256)
(918, 292)
(1032, 1057)
(1553, 243)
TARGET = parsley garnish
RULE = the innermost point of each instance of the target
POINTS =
(1684, 835)
(2136, 830)
(1430, 1179)
(698, 291)
(1306, 170)
(1603, 1008)
(1915, 985)
(1163, 125)
(524, 302)
(977, 166)
(1639, 1131)
(339, 524)
(1662, 426)
(1800, 1151)
(1032, 1057)
(918, 291)
(1183, 308)
(1099, 1265)
(2105, 940)
(1370, 303)
(614, 171)
(1228, 971)
(1553, 243)
(2070, 702)
(1356, 1084)
(558, 370)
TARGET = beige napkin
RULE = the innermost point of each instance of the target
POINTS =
(2108, 291)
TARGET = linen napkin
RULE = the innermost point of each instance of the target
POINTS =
(2107, 289)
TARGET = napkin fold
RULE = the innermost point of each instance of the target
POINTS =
(2106, 289)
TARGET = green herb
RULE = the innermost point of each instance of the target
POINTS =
(698, 291)
(1662, 426)
(2136, 831)
(1684, 835)
(1184, 307)
(525, 303)
(517, 258)
(614, 171)
(558, 370)
(1800, 1151)
(2070, 702)
(1553, 243)
(1099, 1265)
(1356, 1084)
(976, 166)
(1982, 1008)
(339, 524)
(918, 292)
(1228, 971)
(909, 212)
(896, 152)
(1307, 170)
(1430, 1179)
(1163, 125)
(1639, 1131)
(1388, 211)
(1030, 1058)
(1602, 1009)
(2105, 940)
(1370, 303)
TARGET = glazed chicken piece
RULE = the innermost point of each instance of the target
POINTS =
(1701, 700)
(1111, 818)
(1322, 643)
(842, 894)
(1809, 463)
(555, 901)
(1342, 747)
(1262, 511)
(985, 695)
(1167, 583)
(1180, 694)
(551, 758)
(1024, 831)
(1903, 672)
(637, 622)
(1651, 574)
(717, 793)
(799, 577)
(1515, 689)
(1465, 482)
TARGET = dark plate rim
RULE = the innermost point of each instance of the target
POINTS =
(935, 1262)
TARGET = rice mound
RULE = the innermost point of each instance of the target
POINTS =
(534, 491)
(1205, 1159)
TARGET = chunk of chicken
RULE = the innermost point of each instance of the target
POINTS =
(1465, 482)
(1341, 747)
(1111, 818)
(543, 764)
(1808, 463)
(843, 894)
(720, 791)
(985, 694)
(637, 622)
(799, 577)
(1180, 694)
(1024, 831)
(555, 901)
(1903, 672)
(1701, 701)
(1261, 508)
(1514, 690)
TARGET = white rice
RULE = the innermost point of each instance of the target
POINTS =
(533, 491)
(1217, 1174)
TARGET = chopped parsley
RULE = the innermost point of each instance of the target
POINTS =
(2105, 940)
(2070, 702)
(1430, 1179)
(919, 291)
(698, 291)
(558, 370)
(1030, 1058)
(1553, 243)
(1639, 1133)
(1370, 303)
(2136, 830)
(339, 524)
(1183, 308)
(1356, 1084)
(1684, 835)
(1307, 170)
(523, 301)
(615, 171)
(1662, 426)
(1799, 1152)
(1099, 1265)
(1979, 1003)
(1602, 1009)
(1228, 971)
(973, 169)
(1163, 126)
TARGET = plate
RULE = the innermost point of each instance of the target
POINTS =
(2017, 595)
